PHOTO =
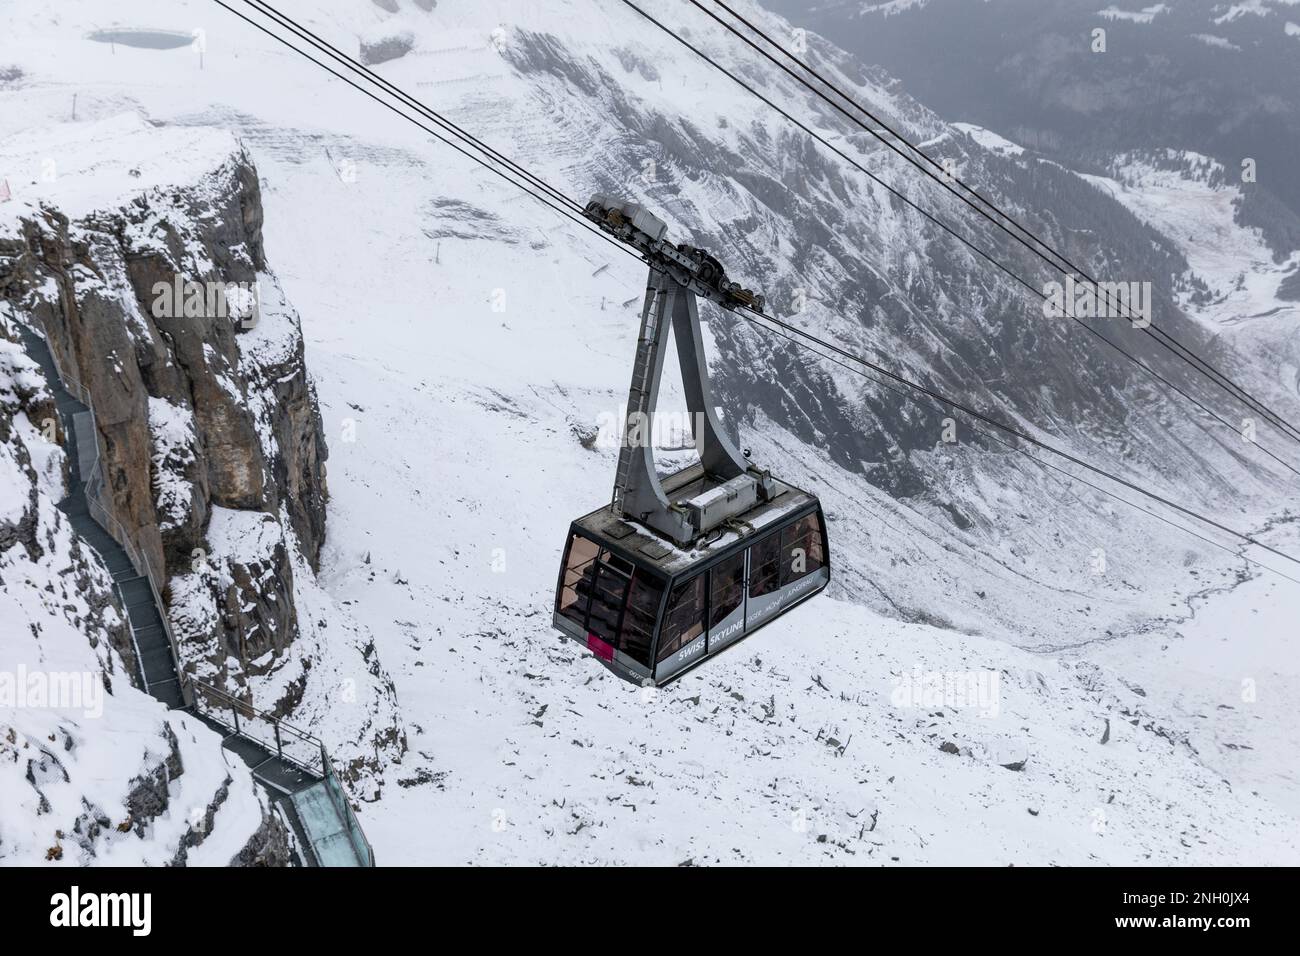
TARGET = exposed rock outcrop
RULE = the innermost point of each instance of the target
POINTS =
(164, 308)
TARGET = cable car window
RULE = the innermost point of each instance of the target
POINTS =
(639, 619)
(579, 579)
(801, 549)
(726, 588)
(684, 619)
(607, 601)
(614, 561)
(765, 566)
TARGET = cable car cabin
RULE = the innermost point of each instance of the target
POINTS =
(651, 611)
(677, 569)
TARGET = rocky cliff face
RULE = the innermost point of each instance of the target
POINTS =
(164, 308)
(91, 769)
(181, 407)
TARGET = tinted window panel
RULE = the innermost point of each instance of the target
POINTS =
(617, 563)
(639, 619)
(801, 549)
(727, 588)
(684, 618)
(579, 579)
(607, 604)
(765, 566)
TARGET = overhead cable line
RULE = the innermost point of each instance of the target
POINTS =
(362, 70)
(939, 174)
(914, 386)
(1038, 461)
(945, 227)
(1022, 435)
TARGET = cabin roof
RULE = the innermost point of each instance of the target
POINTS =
(662, 554)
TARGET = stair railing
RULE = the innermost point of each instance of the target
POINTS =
(292, 745)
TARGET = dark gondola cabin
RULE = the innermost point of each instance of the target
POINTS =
(652, 611)
(677, 569)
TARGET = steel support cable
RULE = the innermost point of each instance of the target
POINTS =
(567, 213)
(1016, 277)
(1017, 433)
(267, 10)
(917, 387)
(364, 71)
(946, 180)
(1038, 461)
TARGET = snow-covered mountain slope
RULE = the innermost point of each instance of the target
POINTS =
(1191, 199)
(1237, 284)
(1211, 76)
(842, 737)
(552, 90)
(466, 344)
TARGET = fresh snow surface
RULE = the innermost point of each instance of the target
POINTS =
(990, 140)
(1210, 40)
(1259, 8)
(891, 7)
(52, 165)
(455, 348)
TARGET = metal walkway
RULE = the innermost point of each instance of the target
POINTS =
(292, 766)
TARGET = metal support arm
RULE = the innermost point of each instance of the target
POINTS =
(638, 492)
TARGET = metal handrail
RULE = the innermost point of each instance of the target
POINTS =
(204, 694)
(248, 710)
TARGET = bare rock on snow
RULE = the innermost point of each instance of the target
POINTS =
(386, 48)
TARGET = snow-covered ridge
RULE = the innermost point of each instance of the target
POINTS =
(1210, 39)
(892, 7)
(1259, 8)
(990, 140)
(51, 165)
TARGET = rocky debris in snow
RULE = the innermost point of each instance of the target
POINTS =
(387, 48)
